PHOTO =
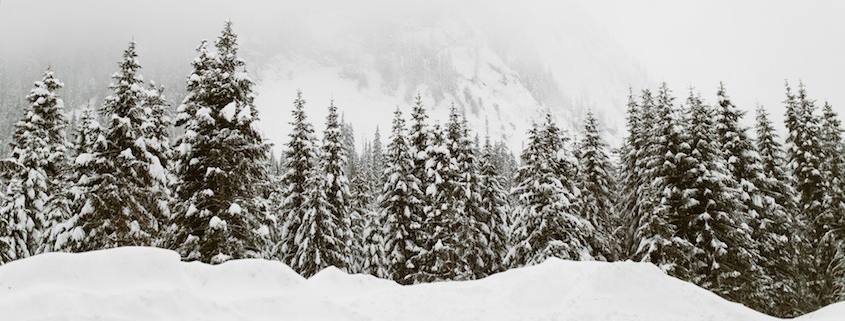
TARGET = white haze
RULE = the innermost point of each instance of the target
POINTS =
(593, 49)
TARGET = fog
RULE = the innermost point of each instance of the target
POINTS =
(600, 49)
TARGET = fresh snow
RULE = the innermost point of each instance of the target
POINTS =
(139, 283)
(228, 112)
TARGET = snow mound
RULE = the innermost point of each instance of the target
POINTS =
(833, 312)
(137, 283)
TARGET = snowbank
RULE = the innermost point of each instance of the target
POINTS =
(136, 283)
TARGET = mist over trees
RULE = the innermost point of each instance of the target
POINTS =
(691, 190)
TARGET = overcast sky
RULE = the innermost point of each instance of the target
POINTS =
(751, 45)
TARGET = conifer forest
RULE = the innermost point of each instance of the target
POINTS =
(752, 214)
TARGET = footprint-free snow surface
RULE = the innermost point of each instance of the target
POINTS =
(153, 284)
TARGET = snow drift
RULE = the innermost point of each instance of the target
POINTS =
(136, 283)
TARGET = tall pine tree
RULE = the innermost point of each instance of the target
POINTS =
(39, 156)
(222, 158)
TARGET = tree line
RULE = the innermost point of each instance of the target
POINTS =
(691, 189)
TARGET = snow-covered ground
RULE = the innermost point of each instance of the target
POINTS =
(153, 284)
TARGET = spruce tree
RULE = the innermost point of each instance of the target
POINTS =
(400, 195)
(806, 163)
(657, 226)
(773, 162)
(473, 227)
(39, 156)
(222, 160)
(301, 156)
(547, 223)
(126, 183)
(834, 170)
(440, 257)
(772, 225)
(597, 184)
(324, 237)
(494, 204)
(710, 210)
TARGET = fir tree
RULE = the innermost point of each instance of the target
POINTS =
(126, 185)
(769, 220)
(377, 160)
(334, 227)
(440, 257)
(472, 222)
(547, 223)
(301, 156)
(400, 195)
(39, 157)
(806, 163)
(656, 227)
(773, 162)
(834, 170)
(222, 160)
(494, 203)
(596, 185)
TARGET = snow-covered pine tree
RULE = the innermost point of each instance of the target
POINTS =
(546, 223)
(793, 289)
(711, 216)
(126, 183)
(834, 170)
(772, 225)
(834, 146)
(473, 222)
(34, 171)
(400, 195)
(377, 159)
(596, 183)
(656, 228)
(806, 156)
(348, 134)
(221, 160)
(363, 183)
(440, 258)
(336, 186)
(321, 238)
(494, 203)
(88, 130)
(773, 162)
(301, 156)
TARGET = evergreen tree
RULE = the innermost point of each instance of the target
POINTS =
(301, 156)
(634, 183)
(324, 237)
(34, 173)
(834, 170)
(596, 185)
(440, 257)
(377, 160)
(710, 215)
(472, 222)
(773, 162)
(222, 160)
(656, 227)
(494, 204)
(772, 224)
(547, 224)
(806, 163)
(400, 195)
(87, 131)
(126, 185)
